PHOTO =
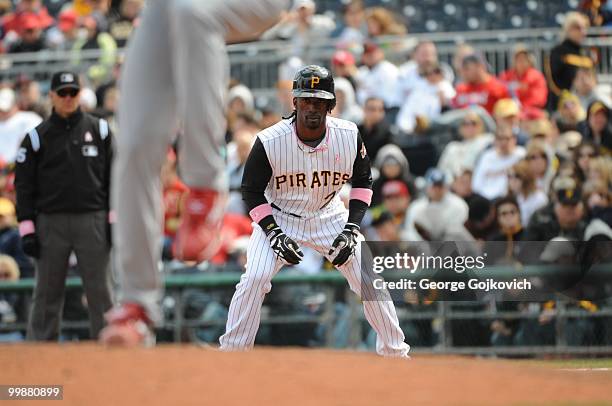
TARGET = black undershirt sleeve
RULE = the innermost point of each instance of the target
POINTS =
(257, 174)
(362, 178)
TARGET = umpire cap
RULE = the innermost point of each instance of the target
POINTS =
(314, 81)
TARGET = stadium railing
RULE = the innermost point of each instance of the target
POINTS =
(256, 64)
(443, 313)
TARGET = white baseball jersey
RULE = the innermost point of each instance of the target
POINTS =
(305, 179)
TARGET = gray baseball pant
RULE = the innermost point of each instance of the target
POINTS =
(176, 72)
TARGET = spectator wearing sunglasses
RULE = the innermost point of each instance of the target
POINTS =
(62, 181)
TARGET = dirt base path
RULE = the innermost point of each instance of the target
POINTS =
(188, 375)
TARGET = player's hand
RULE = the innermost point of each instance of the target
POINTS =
(284, 247)
(30, 245)
(345, 244)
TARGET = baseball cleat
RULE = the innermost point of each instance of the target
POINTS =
(128, 326)
(199, 235)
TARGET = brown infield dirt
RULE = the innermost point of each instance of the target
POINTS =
(189, 375)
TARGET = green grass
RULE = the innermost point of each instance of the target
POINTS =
(575, 363)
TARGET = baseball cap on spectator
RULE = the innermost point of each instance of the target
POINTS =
(30, 21)
(567, 190)
(67, 20)
(395, 188)
(435, 176)
(505, 108)
(343, 58)
(7, 99)
(540, 128)
(7, 208)
(65, 80)
(597, 107)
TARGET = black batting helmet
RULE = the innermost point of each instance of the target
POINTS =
(314, 81)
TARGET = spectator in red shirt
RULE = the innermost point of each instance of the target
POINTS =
(31, 36)
(25, 8)
(480, 87)
(234, 226)
(525, 83)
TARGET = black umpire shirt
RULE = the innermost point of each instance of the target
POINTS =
(63, 166)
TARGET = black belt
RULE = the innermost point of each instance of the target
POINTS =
(281, 210)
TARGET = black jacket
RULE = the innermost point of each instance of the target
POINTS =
(564, 61)
(544, 226)
(63, 165)
(376, 137)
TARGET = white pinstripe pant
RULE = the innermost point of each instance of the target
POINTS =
(262, 264)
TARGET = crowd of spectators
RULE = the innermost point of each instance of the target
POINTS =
(459, 152)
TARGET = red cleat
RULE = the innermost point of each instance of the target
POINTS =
(199, 235)
(128, 326)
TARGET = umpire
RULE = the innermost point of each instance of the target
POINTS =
(62, 180)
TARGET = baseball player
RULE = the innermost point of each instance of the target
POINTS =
(291, 183)
(176, 70)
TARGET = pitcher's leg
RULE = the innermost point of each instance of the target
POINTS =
(199, 29)
(201, 76)
(146, 121)
(245, 310)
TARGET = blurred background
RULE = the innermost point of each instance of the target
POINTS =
(485, 120)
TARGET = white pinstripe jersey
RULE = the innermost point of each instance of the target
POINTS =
(306, 179)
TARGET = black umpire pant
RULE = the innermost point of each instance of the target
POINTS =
(60, 234)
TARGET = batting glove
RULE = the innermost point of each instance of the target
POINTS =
(284, 247)
(345, 244)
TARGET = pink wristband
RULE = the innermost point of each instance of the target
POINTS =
(112, 217)
(363, 194)
(26, 227)
(261, 211)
